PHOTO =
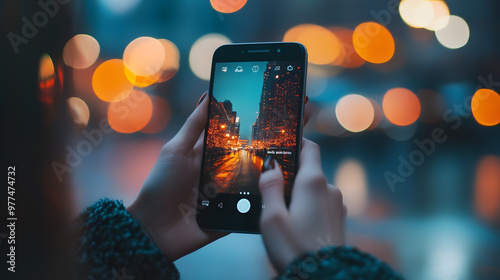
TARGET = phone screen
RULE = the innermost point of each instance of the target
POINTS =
(255, 111)
(253, 114)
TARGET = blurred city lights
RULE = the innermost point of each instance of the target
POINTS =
(358, 114)
(441, 15)
(46, 79)
(78, 111)
(109, 81)
(401, 106)
(322, 45)
(130, 114)
(417, 13)
(487, 189)
(144, 58)
(119, 6)
(200, 56)
(225, 6)
(355, 112)
(485, 107)
(455, 34)
(373, 42)
(350, 178)
(81, 51)
(348, 57)
(171, 63)
(160, 117)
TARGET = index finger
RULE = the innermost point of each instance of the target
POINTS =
(309, 189)
(310, 157)
(189, 133)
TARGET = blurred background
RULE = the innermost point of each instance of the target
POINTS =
(406, 111)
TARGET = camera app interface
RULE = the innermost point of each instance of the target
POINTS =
(253, 114)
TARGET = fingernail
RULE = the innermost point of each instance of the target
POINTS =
(268, 164)
(202, 98)
(307, 100)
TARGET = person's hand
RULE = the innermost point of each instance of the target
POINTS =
(166, 205)
(316, 214)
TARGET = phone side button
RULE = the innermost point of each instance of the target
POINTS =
(243, 205)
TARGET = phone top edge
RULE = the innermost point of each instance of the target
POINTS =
(275, 51)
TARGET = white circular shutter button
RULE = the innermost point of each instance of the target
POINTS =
(243, 205)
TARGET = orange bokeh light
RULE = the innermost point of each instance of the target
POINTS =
(487, 189)
(160, 117)
(81, 51)
(46, 79)
(141, 81)
(130, 114)
(373, 42)
(401, 106)
(109, 81)
(227, 6)
(143, 58)
(322, 45)
(46, 69)
(485, 107)
(348, 57)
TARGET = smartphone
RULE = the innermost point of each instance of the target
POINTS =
(256, 105)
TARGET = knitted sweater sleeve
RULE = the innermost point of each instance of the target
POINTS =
(338, 263)
(110, 244)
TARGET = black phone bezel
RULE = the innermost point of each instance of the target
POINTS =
(213, 217)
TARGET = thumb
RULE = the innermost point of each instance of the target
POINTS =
(271, 186)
